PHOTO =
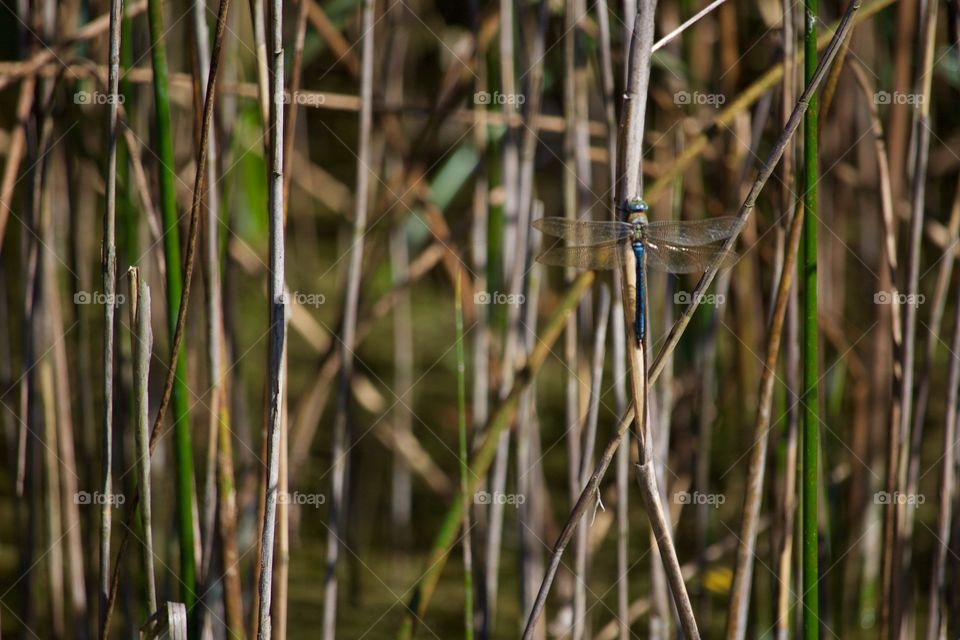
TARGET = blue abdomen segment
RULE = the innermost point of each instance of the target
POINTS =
(640, 315)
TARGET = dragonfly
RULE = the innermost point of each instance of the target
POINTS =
(667, 245)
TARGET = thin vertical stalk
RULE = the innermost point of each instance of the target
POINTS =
(464, 468)
(529, 468)
(514, 263)
(175, 298)
(810, 426)
(909, 455)
(109, 271)
(743, 575)
(528, 443)
(214, 321)
(227, 523)
(281, 569)
(586, 461)
(277, 316)
(400, 501)
(142, 346)
(629, 187)
(619, 332)
(339, 451)
(936, 619)
(570, 211)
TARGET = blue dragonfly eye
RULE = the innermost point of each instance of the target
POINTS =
(636, 205)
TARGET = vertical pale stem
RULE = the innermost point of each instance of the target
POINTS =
(810, 340)
(109, 267)
(142, 347)
(349, 325)
(277, 301)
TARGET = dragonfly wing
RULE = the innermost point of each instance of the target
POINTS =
(602, 256)
(692, 233)
(584, 232)
(677, 258)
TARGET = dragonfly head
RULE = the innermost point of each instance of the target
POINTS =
(636, 210)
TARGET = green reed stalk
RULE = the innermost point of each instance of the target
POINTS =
(464, 468)
(808, 260)
(183, 453)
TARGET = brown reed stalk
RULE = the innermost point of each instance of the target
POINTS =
(936, 617)
(746, 550)
(897, 524)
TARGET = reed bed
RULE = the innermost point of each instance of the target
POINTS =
(279, 356)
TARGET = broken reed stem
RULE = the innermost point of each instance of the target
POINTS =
(142, 346)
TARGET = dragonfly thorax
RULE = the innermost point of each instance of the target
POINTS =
(639, 222)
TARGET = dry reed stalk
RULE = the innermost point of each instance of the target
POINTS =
(619, 330)
(278, 323)
(339, 450)
(141, 339)
(281, 569)
(936, 618)
(897, 525)
(296, 72)
(529, 469)
(214, 321)
(743, 574)
(589, 442)
(15, 150)
(515, 229)
(109, 275)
